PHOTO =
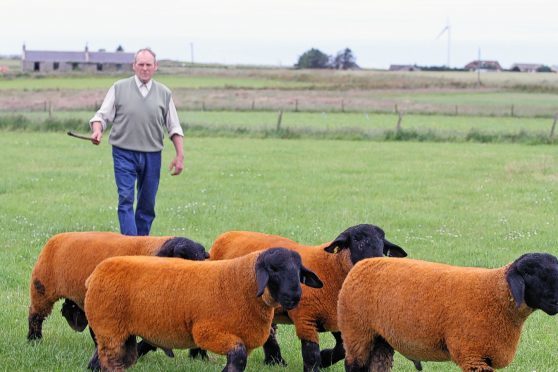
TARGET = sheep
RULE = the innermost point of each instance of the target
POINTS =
(437, 312)
(317, 311)
(67, 259)
(222, 306)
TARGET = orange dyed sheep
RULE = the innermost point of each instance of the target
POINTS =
(430, 311)
(317, 311)
(222, 306)
(67, 260)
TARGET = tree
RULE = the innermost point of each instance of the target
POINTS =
(313, 58)
(120, 49)
(344, 60)
(544, 68)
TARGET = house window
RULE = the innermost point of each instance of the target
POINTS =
(118, 67)
(55, 65)
(37, 66)
(99, 67)
(75, 66)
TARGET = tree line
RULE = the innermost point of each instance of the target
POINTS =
(315, 58)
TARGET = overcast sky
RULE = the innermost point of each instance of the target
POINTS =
(277, 32)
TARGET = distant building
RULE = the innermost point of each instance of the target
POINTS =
(59, 61)
(526, 67)
(483, 66)
(404, 68)
(554, 68)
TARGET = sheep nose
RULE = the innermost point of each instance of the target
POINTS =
(291, 303)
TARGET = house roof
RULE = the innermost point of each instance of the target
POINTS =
(80, 57)
(483, 64)
(53, 56)
(111, 57)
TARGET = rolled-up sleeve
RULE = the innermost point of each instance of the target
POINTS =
(107, 111)
(172, 121)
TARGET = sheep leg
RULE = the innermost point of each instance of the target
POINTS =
(145, 347)
(41, 307)
(381, 357)
(310, 356)
(236, 359)
(94, 363)
(331, 356)
(272, 351)
(198, 353)
(116, 354)
(35, 327)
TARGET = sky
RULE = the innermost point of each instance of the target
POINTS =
(277, 32)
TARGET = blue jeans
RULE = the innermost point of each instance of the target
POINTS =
(145, 169)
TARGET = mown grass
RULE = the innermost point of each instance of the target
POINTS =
(459, 203)
(337, 125)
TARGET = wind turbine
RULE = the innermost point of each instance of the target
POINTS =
(446, 29)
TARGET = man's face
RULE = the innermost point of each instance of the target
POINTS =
(145, 66)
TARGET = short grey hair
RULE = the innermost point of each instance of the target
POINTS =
(148, 50)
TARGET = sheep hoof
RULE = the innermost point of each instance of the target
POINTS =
(273, 361)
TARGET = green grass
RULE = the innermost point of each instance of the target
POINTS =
(330, 125)
(459, 203)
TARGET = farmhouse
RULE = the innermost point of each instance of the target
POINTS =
(483, 66)
(526, 67)
(404, 68)
(61, 61)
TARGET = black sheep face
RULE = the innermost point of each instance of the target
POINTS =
(281, 272)
(365, 241)
(183, 248)
(533, 279)
(74, 315)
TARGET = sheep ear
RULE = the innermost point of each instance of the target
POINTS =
(309, 278)
(262, 277)
(393, 250)
(206, 255)
(167, 249)
(336, 246)
(517, 286)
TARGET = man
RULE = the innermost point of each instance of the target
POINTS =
(139, 108)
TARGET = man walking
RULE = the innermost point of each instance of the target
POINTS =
(139, 109)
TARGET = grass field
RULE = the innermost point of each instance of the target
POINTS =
(459, 203)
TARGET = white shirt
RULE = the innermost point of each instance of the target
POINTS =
(107, 111)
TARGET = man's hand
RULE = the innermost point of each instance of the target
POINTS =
(176, 165)
(97, 133)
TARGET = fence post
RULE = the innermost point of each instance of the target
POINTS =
(296, 105)
(553, 126)
(279, 119)
(49, 109)
(456, 111)
(511, 112)
(253, 104)
(203, 105)
(399, 120)
(342, 105)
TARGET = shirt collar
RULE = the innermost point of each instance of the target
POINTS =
(139, 83)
